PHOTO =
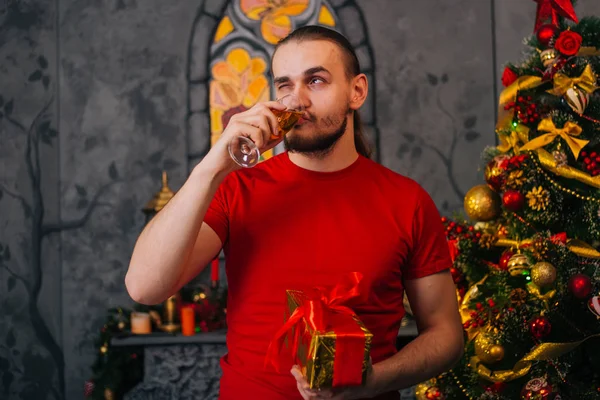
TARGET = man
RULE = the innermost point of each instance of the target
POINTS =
(307, 218)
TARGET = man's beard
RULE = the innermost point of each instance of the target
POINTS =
(319, 145)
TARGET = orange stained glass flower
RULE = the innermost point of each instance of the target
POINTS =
(238, 83)
(274, 16)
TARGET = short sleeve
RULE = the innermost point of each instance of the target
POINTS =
(217, 215)
(429, 252)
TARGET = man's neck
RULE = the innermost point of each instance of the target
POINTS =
(342, 155)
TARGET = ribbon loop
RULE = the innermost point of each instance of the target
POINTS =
(568, 133)
(315, 310)
(586, 82)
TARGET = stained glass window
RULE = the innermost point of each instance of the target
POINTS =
(242, 47)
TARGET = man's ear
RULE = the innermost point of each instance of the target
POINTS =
(360, 90)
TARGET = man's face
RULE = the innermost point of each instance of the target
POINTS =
(314, 71)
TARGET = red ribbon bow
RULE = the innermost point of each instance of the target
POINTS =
(551, 9)
(321, 311)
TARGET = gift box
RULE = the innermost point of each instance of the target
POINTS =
(327, 339)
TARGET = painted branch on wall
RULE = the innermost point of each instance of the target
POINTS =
(39, 130)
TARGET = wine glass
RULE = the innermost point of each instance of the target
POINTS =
(243, 150)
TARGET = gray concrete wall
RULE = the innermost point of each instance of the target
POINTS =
(106, 110)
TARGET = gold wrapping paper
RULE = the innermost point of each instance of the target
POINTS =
(317, 349)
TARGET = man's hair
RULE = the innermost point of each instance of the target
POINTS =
(351, 66)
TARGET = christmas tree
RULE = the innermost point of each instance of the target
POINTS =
(526, 258)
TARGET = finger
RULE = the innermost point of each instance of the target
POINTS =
(263, 122)
(273, 105)
(255, 134)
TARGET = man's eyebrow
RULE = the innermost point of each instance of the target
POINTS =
(282, 79)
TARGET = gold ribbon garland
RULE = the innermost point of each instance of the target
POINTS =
(586, 81)
(549, 163)
(588, 51)
(465, 312)
(509, 94)
(568, 133)
(542, 352)
(574, 245)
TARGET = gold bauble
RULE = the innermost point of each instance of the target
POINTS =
(518, 265)
(109, 394)
(487, 350)
(497, 352)
(548, 56)
(543, 274)
(482, 203)
(121, 325)
(104, 349)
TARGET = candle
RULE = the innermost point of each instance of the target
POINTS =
(187, 321)
(214, 270)
(140, 323)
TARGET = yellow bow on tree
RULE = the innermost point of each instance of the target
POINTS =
(567, 132)
(517, 136)
(586, 81)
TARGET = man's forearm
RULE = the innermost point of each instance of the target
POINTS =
(165, 244)
(434, 351)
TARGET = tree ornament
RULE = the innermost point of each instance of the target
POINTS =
(577, 99)
(518, 297)
(504, 258)
(543, 274)
(560, 158)
(580, 286)
(487, 349)
(549, 10)
(538, 198)
(594, 306)
(494, 172)
(482, 203)
(537, 388)
(88, 388)
(540, 327)
(548, 56)
(104, 349)
(428, 390)
(109, 394)
(545, 34)
(515, 179)
(518, 265)
(513, 200)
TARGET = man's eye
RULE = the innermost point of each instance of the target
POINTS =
(316, 80)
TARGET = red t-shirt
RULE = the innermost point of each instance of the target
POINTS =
(285, 227)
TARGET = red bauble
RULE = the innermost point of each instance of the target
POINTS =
(513, 200)
(540, 327)
(503, 263)
(546, 33)
(433, 393)
(580, 285)
(494, 175)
